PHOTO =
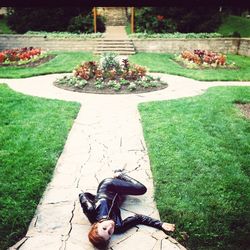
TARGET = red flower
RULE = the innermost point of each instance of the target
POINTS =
(2, 57)
(160, 18)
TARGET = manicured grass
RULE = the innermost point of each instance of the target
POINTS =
(63, 62)
(128, 28)
(199, 153)
(33, 132)
(163, 63)
(156, 62)
(4, 28)
(235, 23)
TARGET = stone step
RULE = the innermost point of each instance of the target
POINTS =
(115, 41)
(115, 46)
(118, 52)
(115, 50)
(122, 47)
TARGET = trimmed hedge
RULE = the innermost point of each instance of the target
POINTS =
(146, 35)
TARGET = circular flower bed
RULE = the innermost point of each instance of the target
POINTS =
(203, 59)
(109, 76)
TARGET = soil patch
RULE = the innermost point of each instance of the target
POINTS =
(31, 64)
(90, 88)
(245, 108)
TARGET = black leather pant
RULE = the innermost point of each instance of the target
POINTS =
(123, 185)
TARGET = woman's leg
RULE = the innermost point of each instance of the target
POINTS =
(122, 185)
(126, 185)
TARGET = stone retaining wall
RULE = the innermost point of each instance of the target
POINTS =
(244, 48)
(18, 41)
(224, 45)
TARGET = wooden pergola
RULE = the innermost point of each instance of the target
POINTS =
(132, 19)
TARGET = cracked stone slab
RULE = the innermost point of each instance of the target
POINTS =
(62, 180)
(135, 205)
(59, 213)
(138, 241)
(119, 238)
(167, 244)
(78, 238)
(41, 242)
(60, 194)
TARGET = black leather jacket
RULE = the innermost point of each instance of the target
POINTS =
(105, 205)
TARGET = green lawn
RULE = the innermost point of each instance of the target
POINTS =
(4, 28)
(63, 62)
(33, 132)
(155, 62)
(163, 63)
(199, 150)
(128, 28)
(235, 23)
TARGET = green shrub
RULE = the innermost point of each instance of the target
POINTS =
(146, 20)
(109, 61)
(170, 19)
(22, 20)
(84, 24)
(235, 34)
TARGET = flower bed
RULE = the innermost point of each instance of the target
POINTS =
(199, 59)
(22, 56)
(14, 55)
(110, 76)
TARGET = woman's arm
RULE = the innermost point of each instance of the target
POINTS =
(86, 201)
(136, 220)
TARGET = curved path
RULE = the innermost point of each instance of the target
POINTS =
(106, 134)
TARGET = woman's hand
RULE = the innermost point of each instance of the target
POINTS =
(118, 172)
(168, 227)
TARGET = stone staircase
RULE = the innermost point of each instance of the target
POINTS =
(122, 47)
(114, 16)
(115, 40)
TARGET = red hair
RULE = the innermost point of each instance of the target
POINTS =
(95, 238)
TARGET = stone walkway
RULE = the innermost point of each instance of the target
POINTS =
(107, 133)
(115, 33)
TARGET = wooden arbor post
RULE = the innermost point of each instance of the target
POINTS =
(132, 19)
(94, 12)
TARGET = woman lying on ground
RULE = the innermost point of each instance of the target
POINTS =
(104, 213)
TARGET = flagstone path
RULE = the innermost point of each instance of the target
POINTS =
(106, 134)
(115, 33)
